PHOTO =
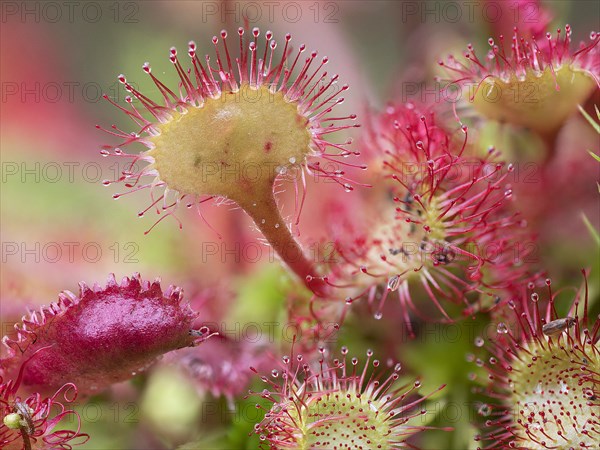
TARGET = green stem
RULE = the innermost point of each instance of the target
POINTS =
(267, 217)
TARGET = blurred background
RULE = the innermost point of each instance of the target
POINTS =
(60, 226)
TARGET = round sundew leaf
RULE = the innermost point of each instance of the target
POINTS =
(439, 213)
(336, 404)
(543, 381)
(224, 148)
(101, 336)
(533, 82)
(535, 102)
(233, 136)
(551, 381)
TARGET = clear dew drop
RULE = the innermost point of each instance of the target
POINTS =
(378, 315)
(502, 328)
(484, 410)
(393, 283)
(479, 341)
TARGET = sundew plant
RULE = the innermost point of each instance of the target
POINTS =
(300, 225)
